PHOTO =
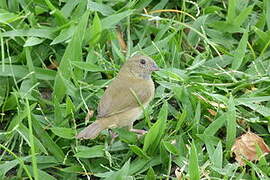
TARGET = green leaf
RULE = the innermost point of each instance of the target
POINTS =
(64, 35)
(126, 136)
(20, 71)
(239, 20)
(102, 8)
(47, 33)
(47, 141)
(30, 65)
(72, 169)
(8, 165)
(220, 61)
(7, 17)
(264, 36)
(66, 133)
(32, 41)
(258, 99)
(95, 31)
(73, 52)
(60, 18)
(138, 151)
(70, 108)
(171, 148)
(150, 174)
(42, 174)
(154, 48)
(193, 167)
(231, 11)
(267, 12)
(193, 37)
(17, 119)
(24, 132)
(90, 152)
(88, 66)
(112, 20)
(231, 124)
(263, 110)
(223, 26)
(154, 136)
(68, 8)
(142, 4)
(216, 125)
(217, 156)
(239, 54)
(122, 174)
(208, 139)
(141, 165)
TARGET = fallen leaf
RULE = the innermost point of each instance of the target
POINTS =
(245, 147)
(53, 65)
(178, 173)
(212, 112)
(215, 104)
(121, 40)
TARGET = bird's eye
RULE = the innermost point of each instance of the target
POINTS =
(142, 61)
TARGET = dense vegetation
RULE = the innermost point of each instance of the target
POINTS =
(57, 57)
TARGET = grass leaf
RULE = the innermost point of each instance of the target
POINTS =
(240, 52)
(90, 152)
(67, 133)
(231, 124)
(193, 167)
(153, 137)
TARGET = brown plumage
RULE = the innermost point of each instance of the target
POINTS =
(119, 106)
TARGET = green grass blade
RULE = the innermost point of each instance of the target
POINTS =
(231, 124)
(47, 141)
(267, 12)
(153, 137)
(217, 156)
(240, 52)
(216, 125)
(112, 20)
(73, 52)
(19, 159)
(193, 167)
(32, 145)
(231, 11)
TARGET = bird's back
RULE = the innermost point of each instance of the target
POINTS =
(121, 95)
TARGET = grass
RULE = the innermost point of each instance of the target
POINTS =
(58, 56)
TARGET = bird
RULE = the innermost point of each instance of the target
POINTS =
(125, 97)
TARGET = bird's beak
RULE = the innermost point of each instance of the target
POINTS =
(155, 67)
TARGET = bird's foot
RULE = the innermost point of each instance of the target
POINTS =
(138, 131)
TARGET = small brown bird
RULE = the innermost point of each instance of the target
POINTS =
(120, 104)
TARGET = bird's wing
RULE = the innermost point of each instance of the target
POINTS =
(120, 96)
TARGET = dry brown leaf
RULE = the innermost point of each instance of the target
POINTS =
(253, 88)
(209, 118)
(218, 105)
(53, 65)
(178, 173)
(212, 112)
(121, 40)
(245, 147)
(250, 89)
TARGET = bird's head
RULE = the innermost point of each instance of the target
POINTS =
(140, 66)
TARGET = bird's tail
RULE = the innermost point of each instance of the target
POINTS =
(91, 131)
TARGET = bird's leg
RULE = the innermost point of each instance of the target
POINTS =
(113, 135)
